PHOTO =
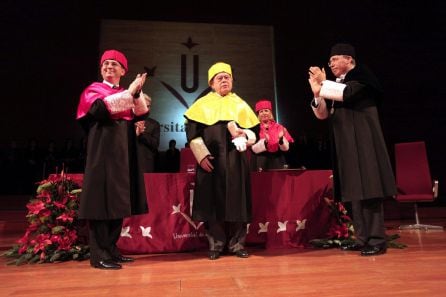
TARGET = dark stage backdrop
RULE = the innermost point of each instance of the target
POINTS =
(50, 51)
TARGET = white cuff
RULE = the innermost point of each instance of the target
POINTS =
(332, 90)
(199, 149)
(140, 105)
(118, 102)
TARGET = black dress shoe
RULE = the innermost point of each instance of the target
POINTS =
(107, 264)
(352, 247)
(122, 259)
(373, 250)
(214, 255)
(242, 254)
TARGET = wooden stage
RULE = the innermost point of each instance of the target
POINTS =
(418, 270)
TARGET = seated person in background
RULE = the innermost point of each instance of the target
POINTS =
(148, 139)
(274, 140)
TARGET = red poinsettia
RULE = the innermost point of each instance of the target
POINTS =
(342, 226)
(52, 234)
(35, 206)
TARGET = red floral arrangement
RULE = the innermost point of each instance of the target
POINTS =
(53, 231)
(341, 229)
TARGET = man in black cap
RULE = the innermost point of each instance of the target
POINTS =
(362, 170)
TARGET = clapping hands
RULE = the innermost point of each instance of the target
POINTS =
(137, 83)
(316, 77)
(317, 74)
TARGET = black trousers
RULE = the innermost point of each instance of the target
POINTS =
(103, 236)
(218, 233)
(368, 221)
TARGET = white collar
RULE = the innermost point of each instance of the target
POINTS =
(340, 78)
(110, 84)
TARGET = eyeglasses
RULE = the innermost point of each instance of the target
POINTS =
(335, 59)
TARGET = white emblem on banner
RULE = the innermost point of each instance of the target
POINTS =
(282, 226)
(176, 209)
(125, 232)
(146, 231)
(300, 224)
(263, 228)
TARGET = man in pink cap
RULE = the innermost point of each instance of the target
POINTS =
(274, 140)
(113, 185)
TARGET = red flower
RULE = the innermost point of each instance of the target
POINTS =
(346, 218)
(338, 231)
(341, 208)
(22, 249)
(60, 205)
(41, 241)
(24, 238)
(35, 207)
(66, 242)
(65, 217)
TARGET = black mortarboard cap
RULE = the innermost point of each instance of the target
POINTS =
(343, 49)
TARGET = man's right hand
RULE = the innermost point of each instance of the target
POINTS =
(206, 164)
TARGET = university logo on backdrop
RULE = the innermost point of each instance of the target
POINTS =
(177, 56)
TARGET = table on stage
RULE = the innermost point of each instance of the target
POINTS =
(288, 210)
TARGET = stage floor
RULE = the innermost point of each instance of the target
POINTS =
(418, 270)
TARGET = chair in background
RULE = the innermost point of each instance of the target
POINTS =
(413, 179)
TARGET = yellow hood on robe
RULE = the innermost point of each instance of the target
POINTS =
(213, 108)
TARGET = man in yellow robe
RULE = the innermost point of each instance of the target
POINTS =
(218, 132)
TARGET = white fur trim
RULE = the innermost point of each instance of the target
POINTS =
(199, 149)
(119, 102)
(140, 105)
(332, 90)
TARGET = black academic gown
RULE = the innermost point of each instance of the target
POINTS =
(362, 169)
(225, 193)
(113, 185)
